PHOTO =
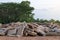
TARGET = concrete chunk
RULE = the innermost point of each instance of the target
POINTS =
(3, 31)
(12, 32)
(21, 29)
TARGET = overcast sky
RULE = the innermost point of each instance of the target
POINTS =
(44, 9)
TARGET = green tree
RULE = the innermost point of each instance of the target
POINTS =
(37, 20)
(52, 20)
(57, 21)
(41, 21)
(13, 12)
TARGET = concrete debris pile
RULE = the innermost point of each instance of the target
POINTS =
(28, 29)
(12, 29)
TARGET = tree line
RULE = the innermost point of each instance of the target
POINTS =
(47, 21)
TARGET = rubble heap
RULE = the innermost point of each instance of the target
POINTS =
(28, 29)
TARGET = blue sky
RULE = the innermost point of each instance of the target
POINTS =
(44, 9)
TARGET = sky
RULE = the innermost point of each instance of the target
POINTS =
(44, 9)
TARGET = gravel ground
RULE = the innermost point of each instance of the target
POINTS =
(30, 38)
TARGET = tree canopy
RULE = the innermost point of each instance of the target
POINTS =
(13, 12)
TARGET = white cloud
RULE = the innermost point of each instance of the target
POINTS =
(46, 9)
(45, 3)
(46, 14)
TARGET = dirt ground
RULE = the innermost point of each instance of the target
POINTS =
(30, 38)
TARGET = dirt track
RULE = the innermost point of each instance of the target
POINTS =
(30, 38)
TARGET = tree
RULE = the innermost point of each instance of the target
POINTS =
(41, 21)
(57, 21)
(13, 12)
(37, 20)
(52, 20)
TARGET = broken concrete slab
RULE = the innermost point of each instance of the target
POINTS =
(30, 32)
(17, 31)
(53, 34)
(12, 32)
(21, 29)
(3, 31)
